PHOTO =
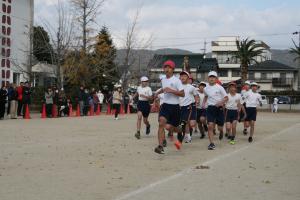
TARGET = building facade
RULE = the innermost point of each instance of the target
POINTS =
(15, 37)
(224, 49)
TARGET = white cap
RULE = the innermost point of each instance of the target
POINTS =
(247, 82)
(202, 83)
(212, 73)
(144, 79)
(254, 83)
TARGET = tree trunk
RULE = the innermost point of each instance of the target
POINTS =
(84, 31)
(244, 73)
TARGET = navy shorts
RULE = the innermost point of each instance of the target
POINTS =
(231, 115)
(200, 113)
(171, 113)
(215, 114)
(188, 112)
(251, 114)
(144, 107)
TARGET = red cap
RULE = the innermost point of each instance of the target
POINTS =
(232, 83)
(169, 63)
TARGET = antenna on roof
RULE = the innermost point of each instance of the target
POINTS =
(204, 48)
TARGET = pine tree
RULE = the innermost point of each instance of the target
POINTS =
(104, 69)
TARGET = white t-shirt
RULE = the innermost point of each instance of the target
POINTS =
(215, 94)
(100, 97)
(243, 92)
(201, 101)
(275, 101)
(161, 98)
(175, 84)
(189, 95)
(144, 91)
(233, 101)
(252, 99)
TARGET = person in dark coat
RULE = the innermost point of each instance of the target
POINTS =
(26, 97)
(81, 100)
(3, 100)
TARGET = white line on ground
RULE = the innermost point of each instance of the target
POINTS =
(209, 162)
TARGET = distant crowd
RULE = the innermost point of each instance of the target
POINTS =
(14, 100)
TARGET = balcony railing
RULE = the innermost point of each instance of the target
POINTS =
(276, 82)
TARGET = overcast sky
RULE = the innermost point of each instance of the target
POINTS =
(186, 24)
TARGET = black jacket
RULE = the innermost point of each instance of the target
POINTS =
(3, 95)
(26, 95)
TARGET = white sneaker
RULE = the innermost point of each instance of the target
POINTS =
(116, 118)
(187, 138)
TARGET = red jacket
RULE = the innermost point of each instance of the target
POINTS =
(20, 93)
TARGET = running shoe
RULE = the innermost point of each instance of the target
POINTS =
(177, 144)
(187, 138)
(245, 132)
(221, 136)
(137, 135)
(148, 130)
(232, 142)
(211, 146)
(159, 149)
(250, 139)
(165, 143)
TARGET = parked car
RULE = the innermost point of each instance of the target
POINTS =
(264, 100)
(284, 100)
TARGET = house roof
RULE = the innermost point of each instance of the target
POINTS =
(195, 61)
(271, 65)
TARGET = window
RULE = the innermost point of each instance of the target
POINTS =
(263, 75)
(8, 42)
(251, 75)
(282, 75)
(223, 73)
(3, 8)
(3, 63)
(7, 52)
(3, 52)
(7, 63)
(3, 41)
(3, 73)
(8, 20)
(8, 10)
(3, 30)
(3, 19)
(8, 31)
(8, 74)
(236, 73)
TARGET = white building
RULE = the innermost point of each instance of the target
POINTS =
(229, 67)
(16, 25)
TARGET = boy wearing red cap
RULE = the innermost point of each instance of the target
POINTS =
(233, 106)
(169, 115)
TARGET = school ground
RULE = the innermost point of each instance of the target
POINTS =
(96, 158)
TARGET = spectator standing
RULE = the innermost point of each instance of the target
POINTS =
(275, 105)
(3, 99)
(20, 98)
(81, 100)
(49, 102)
(13, 102)
(26, 97)
(9, 96)
(126, 100)
(86, 102)
(100, 98)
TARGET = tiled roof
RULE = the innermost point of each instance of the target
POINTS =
(271, 65)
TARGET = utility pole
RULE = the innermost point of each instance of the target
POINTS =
(204, 48)
(298, 33)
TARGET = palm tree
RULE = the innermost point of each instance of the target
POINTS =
(295, 51)
(247, 51)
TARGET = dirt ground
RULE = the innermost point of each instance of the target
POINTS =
(97, 158)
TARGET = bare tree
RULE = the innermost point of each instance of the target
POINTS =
(132, 43)
(61, 35)
(86, 12)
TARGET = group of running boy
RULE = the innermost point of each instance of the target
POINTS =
(184, 106)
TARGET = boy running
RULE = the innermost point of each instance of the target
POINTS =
(252, 99)
(144, 94)
(216, 97)
(201, 110)
(233, 106)
(245, 89)
(187, 109)
(169, 114)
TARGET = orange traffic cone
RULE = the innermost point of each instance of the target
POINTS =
(78, 111)
(91, 113)
(54, 111)
(44, 112)
(27, 114)
(108, 112)
(70, 110)
(128, 109)
(98, 110)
